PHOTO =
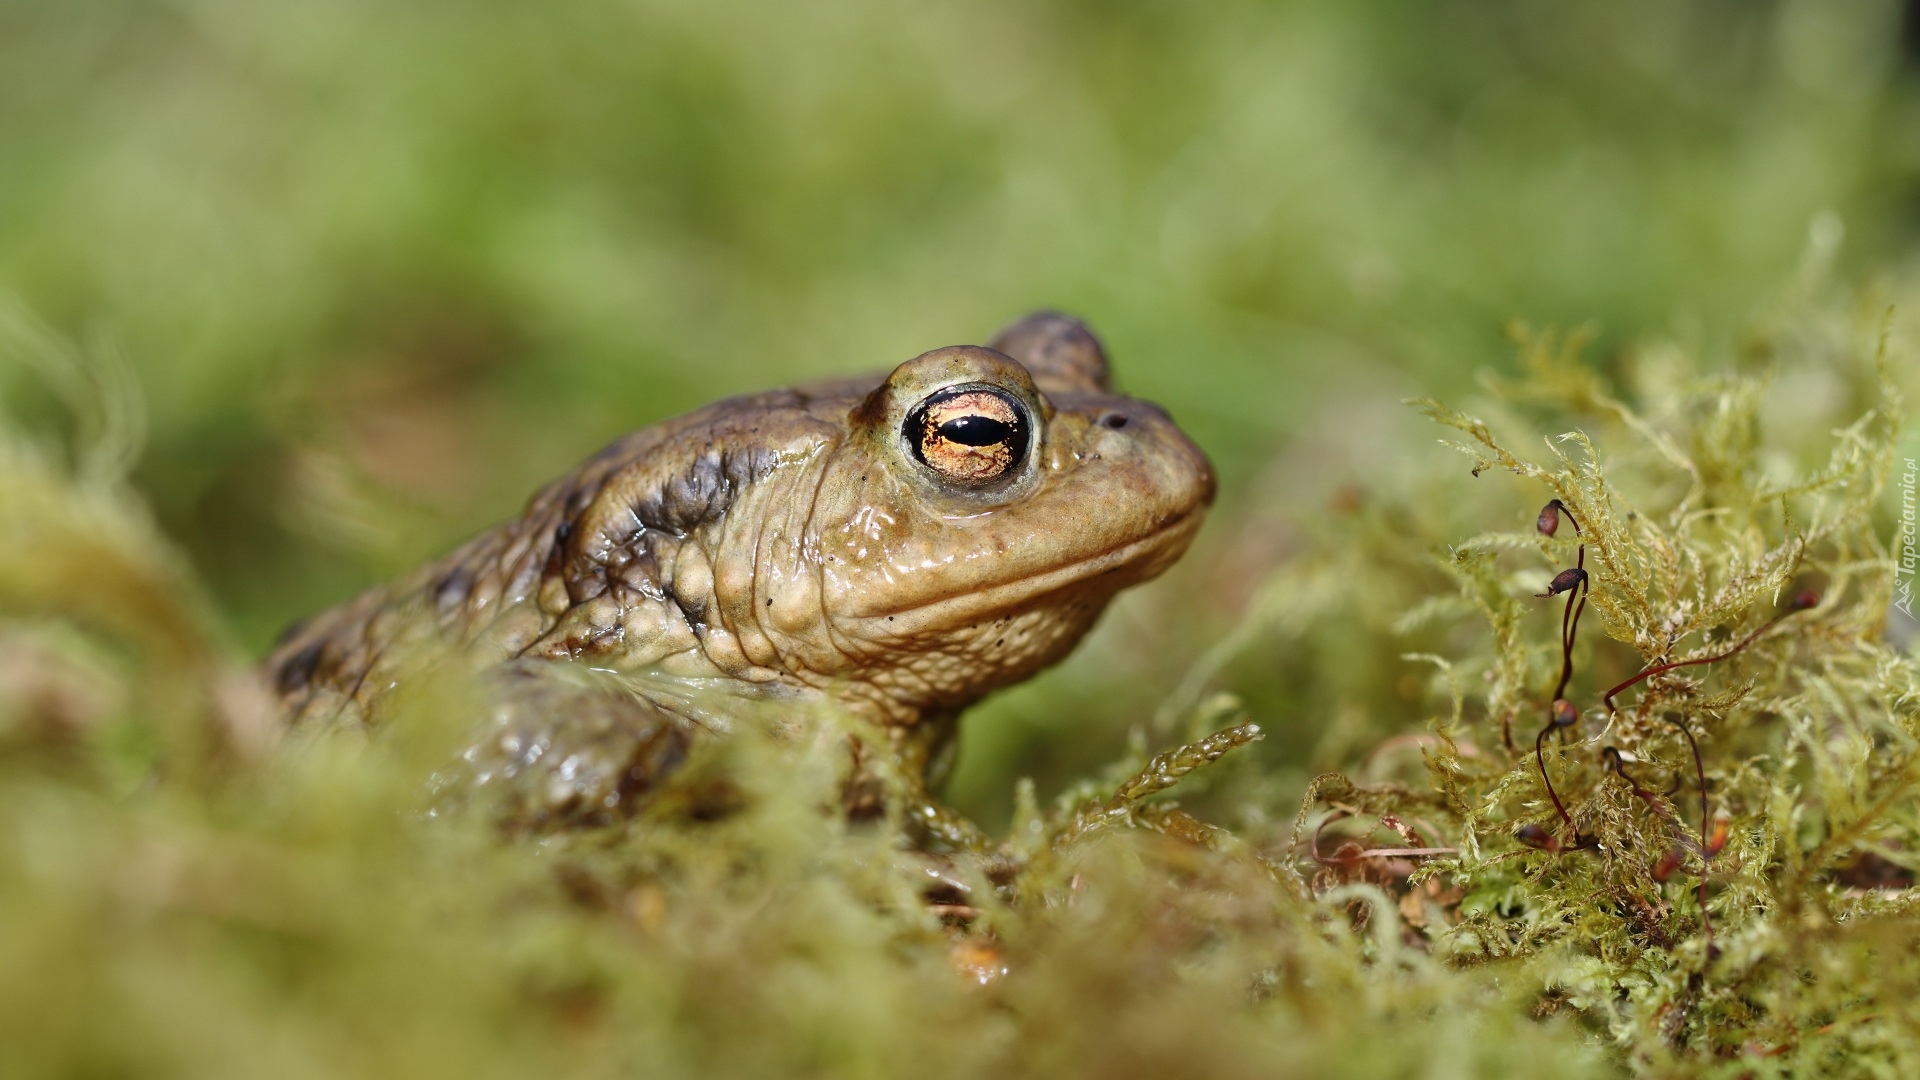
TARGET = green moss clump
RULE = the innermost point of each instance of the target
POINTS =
(1743, 597)
(181, 894)
(1802, 742)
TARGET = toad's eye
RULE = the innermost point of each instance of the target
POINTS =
(969, 435)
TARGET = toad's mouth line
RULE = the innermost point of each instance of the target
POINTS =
(1041, 583)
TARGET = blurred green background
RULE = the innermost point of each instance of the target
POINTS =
(384, 268)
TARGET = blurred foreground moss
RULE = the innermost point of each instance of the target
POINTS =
(183, 894)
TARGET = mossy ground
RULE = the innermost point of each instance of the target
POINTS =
(183, 891)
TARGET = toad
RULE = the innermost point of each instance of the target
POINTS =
(898, 546)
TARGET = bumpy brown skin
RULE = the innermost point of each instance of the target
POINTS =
(779, 545)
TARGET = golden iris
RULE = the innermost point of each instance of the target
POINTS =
(971, 435)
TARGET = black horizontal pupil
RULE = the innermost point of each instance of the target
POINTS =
(975, 431)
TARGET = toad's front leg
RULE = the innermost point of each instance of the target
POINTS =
(564, 748)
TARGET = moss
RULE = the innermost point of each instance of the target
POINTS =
(1743, 738)
(182, 895)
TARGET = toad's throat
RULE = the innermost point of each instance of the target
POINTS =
(1136, 560)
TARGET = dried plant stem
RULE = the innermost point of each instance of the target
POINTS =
(1661, 669)
(1540, 758)
(1570, 625)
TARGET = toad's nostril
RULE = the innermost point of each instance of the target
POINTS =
(1114, 420)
